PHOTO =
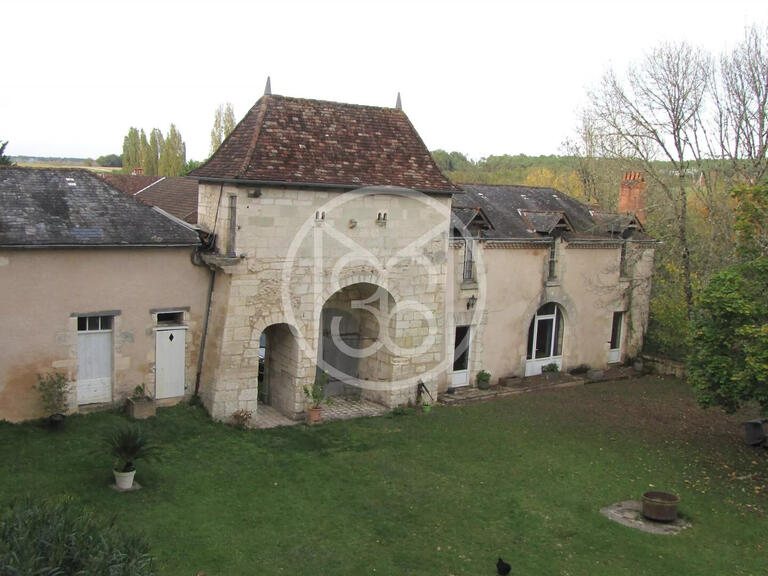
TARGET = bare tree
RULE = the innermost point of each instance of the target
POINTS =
(741, 104)
(655, 115)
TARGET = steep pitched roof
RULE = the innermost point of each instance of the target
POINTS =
(305, 142)
(52, 207)
(177, 196)
(528, 212)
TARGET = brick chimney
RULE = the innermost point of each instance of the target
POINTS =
(632, 196)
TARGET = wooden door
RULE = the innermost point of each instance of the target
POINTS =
(170, 351)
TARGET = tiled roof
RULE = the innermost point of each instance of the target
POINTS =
(304, 142)
(510, 209)
(128, 183)
(177, 196)
(58, 207)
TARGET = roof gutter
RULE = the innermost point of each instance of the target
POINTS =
(321, 185)
(64, 246)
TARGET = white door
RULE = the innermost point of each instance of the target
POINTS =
(170, 349)
(460, 374)
(94, 367)
(614, 354)
(545, 340)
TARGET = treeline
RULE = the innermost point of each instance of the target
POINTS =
(157, 155)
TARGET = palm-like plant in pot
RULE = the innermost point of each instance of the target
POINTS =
(128, 443)
(316, 396)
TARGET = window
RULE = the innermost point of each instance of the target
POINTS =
(170, 318)
(469, 262)
(623, 261)
(232, 225)
(553, 260)
(545, 334)
(94, 323)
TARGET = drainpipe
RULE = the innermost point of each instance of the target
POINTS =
(207, 317)
(205, 332)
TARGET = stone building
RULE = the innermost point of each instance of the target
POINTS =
(338, 246)
(326, 240)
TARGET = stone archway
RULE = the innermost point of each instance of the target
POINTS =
(279, 369)
(356, 324)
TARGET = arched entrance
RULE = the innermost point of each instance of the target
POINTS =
(355, 325)
(278, 369)
(545, 339)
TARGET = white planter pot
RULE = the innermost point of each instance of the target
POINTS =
(124, 480)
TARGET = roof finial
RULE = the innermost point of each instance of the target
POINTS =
(399, 103)
(268, 87)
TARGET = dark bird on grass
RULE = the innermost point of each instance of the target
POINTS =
(502, 567)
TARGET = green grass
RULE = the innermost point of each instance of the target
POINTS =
(443, 493)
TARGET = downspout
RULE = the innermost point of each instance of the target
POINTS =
(209, 298)
(205, 332)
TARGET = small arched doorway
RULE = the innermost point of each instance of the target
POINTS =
(545, 339)
(356, 322)
(278, 368)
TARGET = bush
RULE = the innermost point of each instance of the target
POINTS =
(62, 539)
(728, 364)
(53, 388)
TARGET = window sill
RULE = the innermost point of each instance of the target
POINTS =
(553, 282)
(469, 284)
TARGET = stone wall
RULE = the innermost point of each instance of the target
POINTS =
(296, 249)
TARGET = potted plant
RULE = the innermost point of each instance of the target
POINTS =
(550, 371)
(128, 443)
(53, 388)
(140, 406)
(315, 394)
(483, 380)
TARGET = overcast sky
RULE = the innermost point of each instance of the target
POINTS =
(479, 77)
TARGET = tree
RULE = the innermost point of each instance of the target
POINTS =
(132, 151)
(191, 165)
(4, 160)
(656, 114)
(110, 160)
(223, 124)
(173, 156)
(741, 100)
(752, 220)
(156, 142)
(728, 363)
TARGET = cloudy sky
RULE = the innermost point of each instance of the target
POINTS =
(481, 77)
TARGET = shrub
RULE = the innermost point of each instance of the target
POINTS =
(128, 443)
(241, 418)
(484, 376)
(550, 368)
(62, 539)
(53, 388)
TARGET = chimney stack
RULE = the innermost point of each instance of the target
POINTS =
(632, 196)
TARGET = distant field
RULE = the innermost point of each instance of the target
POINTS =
(46, 164)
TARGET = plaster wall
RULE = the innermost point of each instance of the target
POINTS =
(44, 291)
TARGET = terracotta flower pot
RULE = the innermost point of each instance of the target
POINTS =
(315, 415)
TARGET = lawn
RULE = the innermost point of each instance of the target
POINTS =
(440, 493)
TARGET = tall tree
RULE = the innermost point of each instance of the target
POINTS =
(741, 99)
(223, 124)
(156, 142)
(655, 114)
(132, 151)
(173, 156)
